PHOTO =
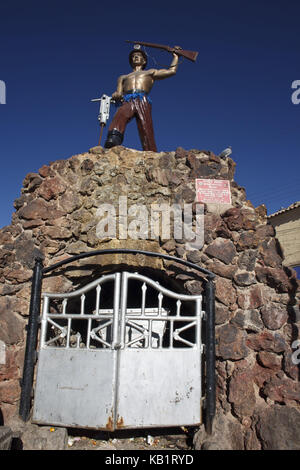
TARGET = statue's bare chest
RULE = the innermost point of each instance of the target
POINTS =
(138, 80)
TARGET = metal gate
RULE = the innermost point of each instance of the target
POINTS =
(120, 367)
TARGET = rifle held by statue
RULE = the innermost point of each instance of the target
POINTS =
(190, 55)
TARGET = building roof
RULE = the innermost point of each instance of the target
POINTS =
(281, 211)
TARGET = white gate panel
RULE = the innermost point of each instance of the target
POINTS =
(157, 388)
(70, 385)
(75, 383)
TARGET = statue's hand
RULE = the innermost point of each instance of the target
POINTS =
(178, 49)
(117, 96)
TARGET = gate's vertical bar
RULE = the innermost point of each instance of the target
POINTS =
(124, 292)
(210, 379)
(31, 341)
(116, 340)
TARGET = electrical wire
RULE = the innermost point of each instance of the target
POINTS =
(293, 197)
(157, 64)
(272, 192)
(278, 188)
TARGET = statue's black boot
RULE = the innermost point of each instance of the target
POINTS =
(113, 138)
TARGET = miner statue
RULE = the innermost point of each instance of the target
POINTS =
(131, 95)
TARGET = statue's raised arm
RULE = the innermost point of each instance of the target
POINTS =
(165, 73)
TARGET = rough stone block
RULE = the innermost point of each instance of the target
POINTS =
(44, 438)
(6, 436)
(278, 428)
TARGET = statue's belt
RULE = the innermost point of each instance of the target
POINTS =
(135, 94)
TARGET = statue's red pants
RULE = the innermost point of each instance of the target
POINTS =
(139, 108)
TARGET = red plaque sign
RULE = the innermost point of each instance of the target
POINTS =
(213, 191)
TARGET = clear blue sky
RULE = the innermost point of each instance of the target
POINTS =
(58, 55)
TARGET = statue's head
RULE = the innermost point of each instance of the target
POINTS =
(138, 57)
